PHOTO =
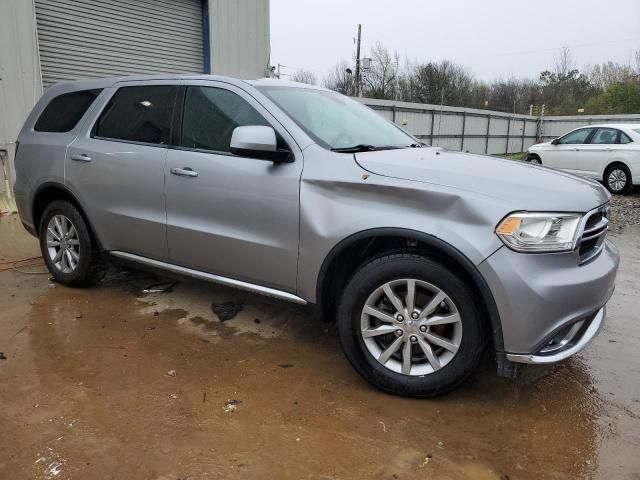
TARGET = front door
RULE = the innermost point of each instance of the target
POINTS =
(565, 154)
(229, 215)
(117, 169)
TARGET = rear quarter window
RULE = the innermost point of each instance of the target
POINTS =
(624, 138)
(64, 112)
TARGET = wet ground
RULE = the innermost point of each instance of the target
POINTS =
(109, 383)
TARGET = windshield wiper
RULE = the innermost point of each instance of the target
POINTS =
(365, 148)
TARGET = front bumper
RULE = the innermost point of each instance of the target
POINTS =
(570, 341)
(550, 306)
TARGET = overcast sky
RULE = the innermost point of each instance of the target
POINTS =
(493, 38)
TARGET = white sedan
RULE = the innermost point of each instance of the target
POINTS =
(608, 153)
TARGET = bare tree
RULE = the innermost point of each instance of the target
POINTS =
(304, 76)
(563, 63)
(381, 81)
(609, 87)
(444, 81)
(607, 74)
(341, 79)
(513, 95)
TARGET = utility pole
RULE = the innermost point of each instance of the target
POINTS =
(358, 92)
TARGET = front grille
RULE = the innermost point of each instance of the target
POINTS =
(594, 219)
(594, 233)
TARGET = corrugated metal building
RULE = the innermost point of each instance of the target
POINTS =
(43, 42)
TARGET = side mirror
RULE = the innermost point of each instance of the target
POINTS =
(257, 141)
(555, 141)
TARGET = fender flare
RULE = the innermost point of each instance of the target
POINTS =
(437, 244)
(70, 194)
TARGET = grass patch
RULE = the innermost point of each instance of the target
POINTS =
(512, 156)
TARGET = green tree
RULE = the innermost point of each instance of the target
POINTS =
(618, 98)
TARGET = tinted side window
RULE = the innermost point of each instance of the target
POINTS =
(65, 111)
(605, 136)
(138, 114)
(577, 137)
(210, 116)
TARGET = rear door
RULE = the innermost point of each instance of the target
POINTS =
(116, 168)
(565, 154)
(603, 146)
(232, 216)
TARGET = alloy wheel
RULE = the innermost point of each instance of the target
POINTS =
(63, 244)
(411, 327)
(617, 179)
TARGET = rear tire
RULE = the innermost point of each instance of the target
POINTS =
(428, 374)
(617, 179)
(68, 246)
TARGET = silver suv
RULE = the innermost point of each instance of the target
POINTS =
(423, 256)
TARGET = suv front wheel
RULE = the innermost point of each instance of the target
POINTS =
(68, 247)
(410, 326)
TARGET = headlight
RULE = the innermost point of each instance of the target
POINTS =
(540, 232)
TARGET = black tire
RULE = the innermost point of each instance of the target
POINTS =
(399, 266)
(535, 159)
(90, 265)
(613, 186)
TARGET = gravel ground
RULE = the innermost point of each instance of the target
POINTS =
(625, 210)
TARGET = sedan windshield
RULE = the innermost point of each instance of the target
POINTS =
(336, 122)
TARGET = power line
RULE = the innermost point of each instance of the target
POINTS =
(553, 49)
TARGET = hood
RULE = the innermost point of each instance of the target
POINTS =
(520, 185)
(538, 145)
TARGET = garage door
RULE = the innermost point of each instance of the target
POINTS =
(101, 38)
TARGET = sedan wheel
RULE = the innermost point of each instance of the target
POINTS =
(617, 180)
(411, 327)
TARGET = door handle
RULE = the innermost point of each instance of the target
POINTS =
(184, 172)
(80, 157)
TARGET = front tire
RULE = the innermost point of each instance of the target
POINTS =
(410, 326)
(617, 179)
(68, 246)
(535, 159)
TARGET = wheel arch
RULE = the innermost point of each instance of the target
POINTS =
(350, 253)
(49, 192)
(535, 154)
(614, 163)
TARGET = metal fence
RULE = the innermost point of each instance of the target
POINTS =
(554, 126)
(482, 131)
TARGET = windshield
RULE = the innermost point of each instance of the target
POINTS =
(334, 121)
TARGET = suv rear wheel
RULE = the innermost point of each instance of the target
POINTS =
(67, 245)
(409, 326)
